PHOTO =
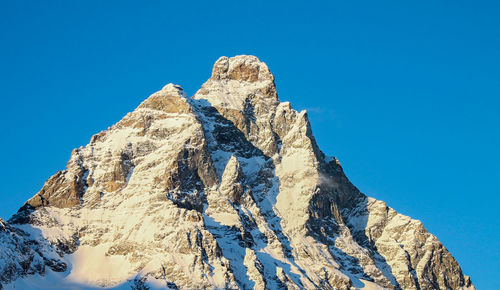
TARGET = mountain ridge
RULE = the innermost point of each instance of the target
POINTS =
(228, 189)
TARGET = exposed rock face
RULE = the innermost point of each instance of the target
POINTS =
(63, 189)
(241, 68)
(227, 189)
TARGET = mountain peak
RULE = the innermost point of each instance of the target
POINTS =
(170, 99)
(227, 189)
(241, 68)
(236, 80)
(173, 89)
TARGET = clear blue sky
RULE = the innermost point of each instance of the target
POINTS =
(406, 94)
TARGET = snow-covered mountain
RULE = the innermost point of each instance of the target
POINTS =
(225, 189)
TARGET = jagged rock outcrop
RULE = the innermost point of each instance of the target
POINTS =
(64, 189)
(22, 254)
(226, 189)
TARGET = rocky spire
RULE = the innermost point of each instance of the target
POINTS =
(236, 79)
(231, 182)
(246, 68)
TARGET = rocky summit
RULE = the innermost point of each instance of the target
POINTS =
(224, 189)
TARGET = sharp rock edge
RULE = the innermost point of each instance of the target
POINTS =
(226, 189)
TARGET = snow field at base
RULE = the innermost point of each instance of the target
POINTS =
(91, 265)
(55, 280)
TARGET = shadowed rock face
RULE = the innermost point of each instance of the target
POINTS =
(226, 189)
